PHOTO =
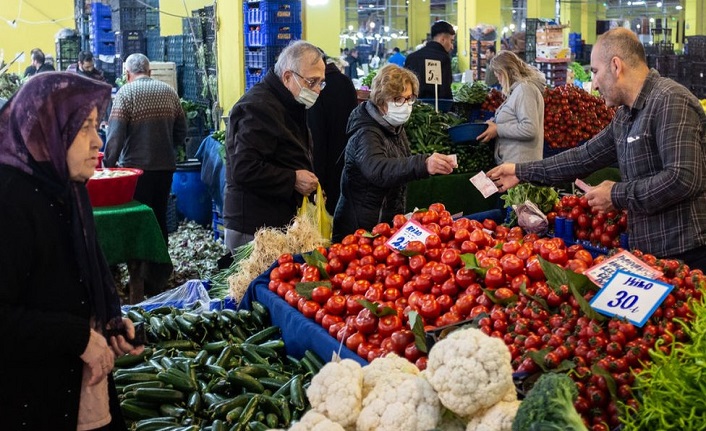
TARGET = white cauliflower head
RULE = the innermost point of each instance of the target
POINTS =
(404, 402)
(336, 392)
(380, 369)
(470, 371)
(315, 421)
(497, 418)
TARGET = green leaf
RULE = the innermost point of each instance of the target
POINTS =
(408, 253)
(304, 288)
(370, 235)
(316, 259)
(417, 327)
(375, 308)
(490, 293)
(471, 262)
(610, 382)
(558, 276)
(538, 299)
(538, 357)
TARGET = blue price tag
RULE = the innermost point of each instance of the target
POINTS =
(631, 296)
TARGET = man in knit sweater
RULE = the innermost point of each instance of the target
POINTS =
(146, 126)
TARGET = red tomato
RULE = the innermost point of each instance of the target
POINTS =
(401, 339)
(353, 307)
(429, 308)
(309, 309)
(389, 324)
(336, 305)
(353, 341)
(321, 294)
(494, 277)
(365, 322)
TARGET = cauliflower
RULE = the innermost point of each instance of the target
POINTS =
(497, 418)
(379, 370)
(404, 402)
(336, 392)
(470, 371)
(314, 421)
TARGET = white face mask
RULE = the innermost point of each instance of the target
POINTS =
(397, 115)
(306, 96)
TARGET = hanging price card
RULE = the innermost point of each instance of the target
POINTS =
(432, 69)
(624, 261)
(630, 296)
(410, 231)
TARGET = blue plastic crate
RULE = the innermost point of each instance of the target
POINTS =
(272, 34)
(102, 35)
(102, 48)
(152, 17)
(253, 76)
(100, 17)
(282, 12)
(175, 49)
(129, 42)
(155, 47)
(262, 57)
(217, 225)
(129, 18)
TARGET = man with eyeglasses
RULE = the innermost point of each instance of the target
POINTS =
(438, 48)
(269, 150)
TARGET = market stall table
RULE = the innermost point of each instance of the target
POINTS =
(129, 233)
(455, 191)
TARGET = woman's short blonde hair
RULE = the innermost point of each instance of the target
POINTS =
(389, 83)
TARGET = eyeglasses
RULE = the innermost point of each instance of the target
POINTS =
(399, 100)
(312, 83)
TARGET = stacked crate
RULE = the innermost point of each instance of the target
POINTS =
(269, 27)
(695, 51)
(154, 44)
(531, 25)
(67, 49)
(101, 37)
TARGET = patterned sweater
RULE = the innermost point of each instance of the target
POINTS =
(146, 126)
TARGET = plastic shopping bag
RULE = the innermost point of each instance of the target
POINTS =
(316, 212)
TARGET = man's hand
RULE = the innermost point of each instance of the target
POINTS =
(503, 176)
(440, 164)
(599, 196)
(306, 182)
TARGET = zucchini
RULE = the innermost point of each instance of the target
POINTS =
(296, 392)
(254, 370)
(263, 335)
(233, 415)
(148, 384)
(257, 426)
(154, 424)
(159, 395)
(245, 381)
(315, 359)
(177, 344)
(215, 346)
(126, 361)
(221, 409)
(248, 414)
(172, 411)
(194, 401)
(127, 378)
(133, 411)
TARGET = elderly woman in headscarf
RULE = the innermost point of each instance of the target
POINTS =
(58, 301)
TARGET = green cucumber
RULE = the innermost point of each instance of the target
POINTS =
(160, 395)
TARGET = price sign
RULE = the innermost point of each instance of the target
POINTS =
(410, 231)
(630, 296)
(432, 71)
(624, 261)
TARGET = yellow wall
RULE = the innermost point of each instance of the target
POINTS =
(35, 27)
(322, 24)
(231, 69)
(695, 11)
(470, 14)
(172, 11)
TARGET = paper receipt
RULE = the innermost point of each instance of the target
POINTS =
(484, 184)
(455, 160)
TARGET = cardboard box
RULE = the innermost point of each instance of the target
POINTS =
(550, 35)
(553, 52)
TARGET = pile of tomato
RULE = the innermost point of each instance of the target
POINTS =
(493, 100)
(589, 224)
(572, 115)
(505, 291)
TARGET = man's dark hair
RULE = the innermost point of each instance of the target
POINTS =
(441, 27)
(85, 56)
(38, 56)
(395, 49)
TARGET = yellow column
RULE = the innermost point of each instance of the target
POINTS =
(172, 13)
(321, 21)
(694, 11)
(590, 12)
(419, 23)
(541, 9)
(231, 71)
(470, 14)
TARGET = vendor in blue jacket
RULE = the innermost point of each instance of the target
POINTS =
(269, 160)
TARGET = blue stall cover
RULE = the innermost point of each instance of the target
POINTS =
(213, 169)
(299, 333)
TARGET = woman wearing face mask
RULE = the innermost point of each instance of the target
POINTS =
(378, 161)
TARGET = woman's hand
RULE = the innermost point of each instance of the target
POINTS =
(99, 357)
(490, 133)
(121, 346)
(440, 164)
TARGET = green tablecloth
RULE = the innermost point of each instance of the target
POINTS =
(130, 232)
(455, 191)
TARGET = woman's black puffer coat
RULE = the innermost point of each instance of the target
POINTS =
(378, 166)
